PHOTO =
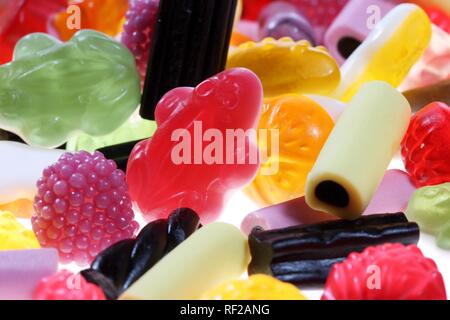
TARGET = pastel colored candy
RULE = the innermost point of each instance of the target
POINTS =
(353, 25)
(166, 172)
(297, 128)
(422, 97)
(21, 270)
(134, 128)
(14, 236)
(347, 172)
(286, 66)
(53, 90)
(212, 255)
(392, 195)
(332, 106)
(389, 52)
(22, 166)
(430, 208)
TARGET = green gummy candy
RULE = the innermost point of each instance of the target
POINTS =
(53, 90)
(134, 128)
(430, 208)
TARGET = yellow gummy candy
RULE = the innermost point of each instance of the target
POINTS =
(13, 236)
(256, 287)
(285, 66)
(303, 127)
(389, 52)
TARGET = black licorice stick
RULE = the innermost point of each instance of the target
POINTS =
(305, 253)
(119, 153)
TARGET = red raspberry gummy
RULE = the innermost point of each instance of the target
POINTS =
(426, 146)
(82, 206)
(138, 30)
(65, 285)
(385, 272)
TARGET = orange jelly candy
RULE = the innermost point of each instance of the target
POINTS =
(303, 127)
(106, 16)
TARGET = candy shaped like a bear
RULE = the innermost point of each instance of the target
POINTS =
(13, 236)
(286, 66)
(256, 287)
(386, 272)
(430, 208)
(389, 52)
(82, 207)
(101, 15)
(65, 285)
(199, 151)
(212, 255)
(425, 150)
(19, 173)
(358, 151)
(53, 90)
(297, 128)
(21, 271)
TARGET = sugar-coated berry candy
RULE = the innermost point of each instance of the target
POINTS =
(137, 32)
(164, 173)
(386, 272)
(426, 147)
(65, 285)
(13, 236)
(82, 206)
(257, 287)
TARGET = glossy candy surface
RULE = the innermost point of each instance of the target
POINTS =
(102, 15)
(194, 175)
(65, 285)
(285, 66)
(82, 207)
(430, 208)
(404, 274)
(13, 236)
(303, 127)
(52, 90)
(256, 287)
(422, 97)
(423, 151)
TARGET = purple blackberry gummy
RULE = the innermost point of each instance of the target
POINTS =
(82, 206)
(137, 33)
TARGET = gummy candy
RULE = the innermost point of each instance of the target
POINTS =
(303, 127)
(422, 97)
(13, 236)
(200, 177)
(135, 128)
(256, 287)
(82, 207)
(424, 151)
(120, 153)
(386, 272)
(305, 254)
(102, 15)
(138, 31)
(52, 90)
(281, 19)
(439, 18)
(19, 174)
(65, 285)
(21, 17)
(238, 38)
(212, 255)
(138, 255)
(429, 207)
(389, 52)
(285, 66)
(252, 8)
(21, 270)
(190, 44)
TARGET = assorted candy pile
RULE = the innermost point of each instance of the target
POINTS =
(166, 108)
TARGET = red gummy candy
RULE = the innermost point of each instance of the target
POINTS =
(82, 207)
(439, 18)
(252, 8)
(177, 167)
(386, 272)
(65, 285)
(426, 147)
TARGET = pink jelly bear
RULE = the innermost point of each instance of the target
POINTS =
(199, 151)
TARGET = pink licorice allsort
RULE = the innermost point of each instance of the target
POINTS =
(159, 183)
